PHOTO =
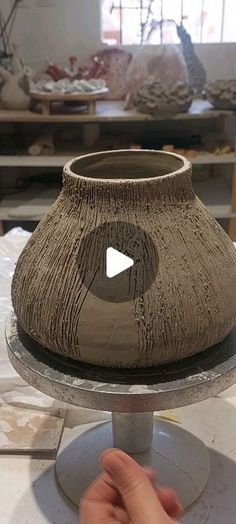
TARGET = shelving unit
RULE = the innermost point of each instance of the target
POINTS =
(28, 205)
(33, 203)
(33, 206)
(59, 159)
(108, 111)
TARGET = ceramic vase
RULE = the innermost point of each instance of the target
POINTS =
(14, 93)
(190, 305)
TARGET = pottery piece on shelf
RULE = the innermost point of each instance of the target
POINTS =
(15, 91)
(75, 71)
(164, 63)
(43, 144)
(196, 71)
(69, 86)
(57, 72)
(17, 65)
(190, 303)
(222, 93)
(156, 98)
(111, 64)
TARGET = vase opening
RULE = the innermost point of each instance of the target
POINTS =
(127, 165)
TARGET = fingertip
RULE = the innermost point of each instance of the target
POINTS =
(176, 510)
(151, 474)
(107, 452)
(114, 461)
(170, 501)
(110, 456)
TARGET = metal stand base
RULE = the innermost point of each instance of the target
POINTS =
(180, 459)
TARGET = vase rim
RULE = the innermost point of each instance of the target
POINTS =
(182, 165)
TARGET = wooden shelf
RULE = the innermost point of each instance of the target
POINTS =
(37, 161)
(109, 111)
(221, 211)
(210, 158)
(58, 160)
(215, 193)
(28, 205)
(35, 202)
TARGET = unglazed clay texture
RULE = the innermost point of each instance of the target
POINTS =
(190, 306)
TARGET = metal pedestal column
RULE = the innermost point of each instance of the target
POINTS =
(132, 432)
(180, 459)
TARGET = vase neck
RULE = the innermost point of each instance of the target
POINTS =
(170, 190)
(129, 176)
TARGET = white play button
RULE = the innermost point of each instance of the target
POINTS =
(119, 261)
(116, 262)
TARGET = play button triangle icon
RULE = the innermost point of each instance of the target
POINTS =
(120, 261)
(116, 262)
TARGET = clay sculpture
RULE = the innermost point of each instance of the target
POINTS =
(222, 94)
(190, 305)
(158, 99)
(15, 92)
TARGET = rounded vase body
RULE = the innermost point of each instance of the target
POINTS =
(188, 307)
(13, 97)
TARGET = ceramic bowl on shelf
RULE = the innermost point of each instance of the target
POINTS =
(158, 98)
(67, 86)
(222, 94)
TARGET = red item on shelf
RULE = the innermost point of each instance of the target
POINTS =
(111, 64)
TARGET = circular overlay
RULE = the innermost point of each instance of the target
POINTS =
(117, 261)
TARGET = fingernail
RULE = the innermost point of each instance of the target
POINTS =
(177, 501)
(107, 452)
(112, 458)
(178, 508)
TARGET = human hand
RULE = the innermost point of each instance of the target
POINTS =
(126, 493)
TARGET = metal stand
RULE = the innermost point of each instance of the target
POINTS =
(181, 460)
(132, 432)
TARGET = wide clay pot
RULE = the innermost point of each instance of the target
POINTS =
(190, 305)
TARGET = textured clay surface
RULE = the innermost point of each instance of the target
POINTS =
(190, 306)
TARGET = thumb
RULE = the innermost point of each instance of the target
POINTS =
(136, 490)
